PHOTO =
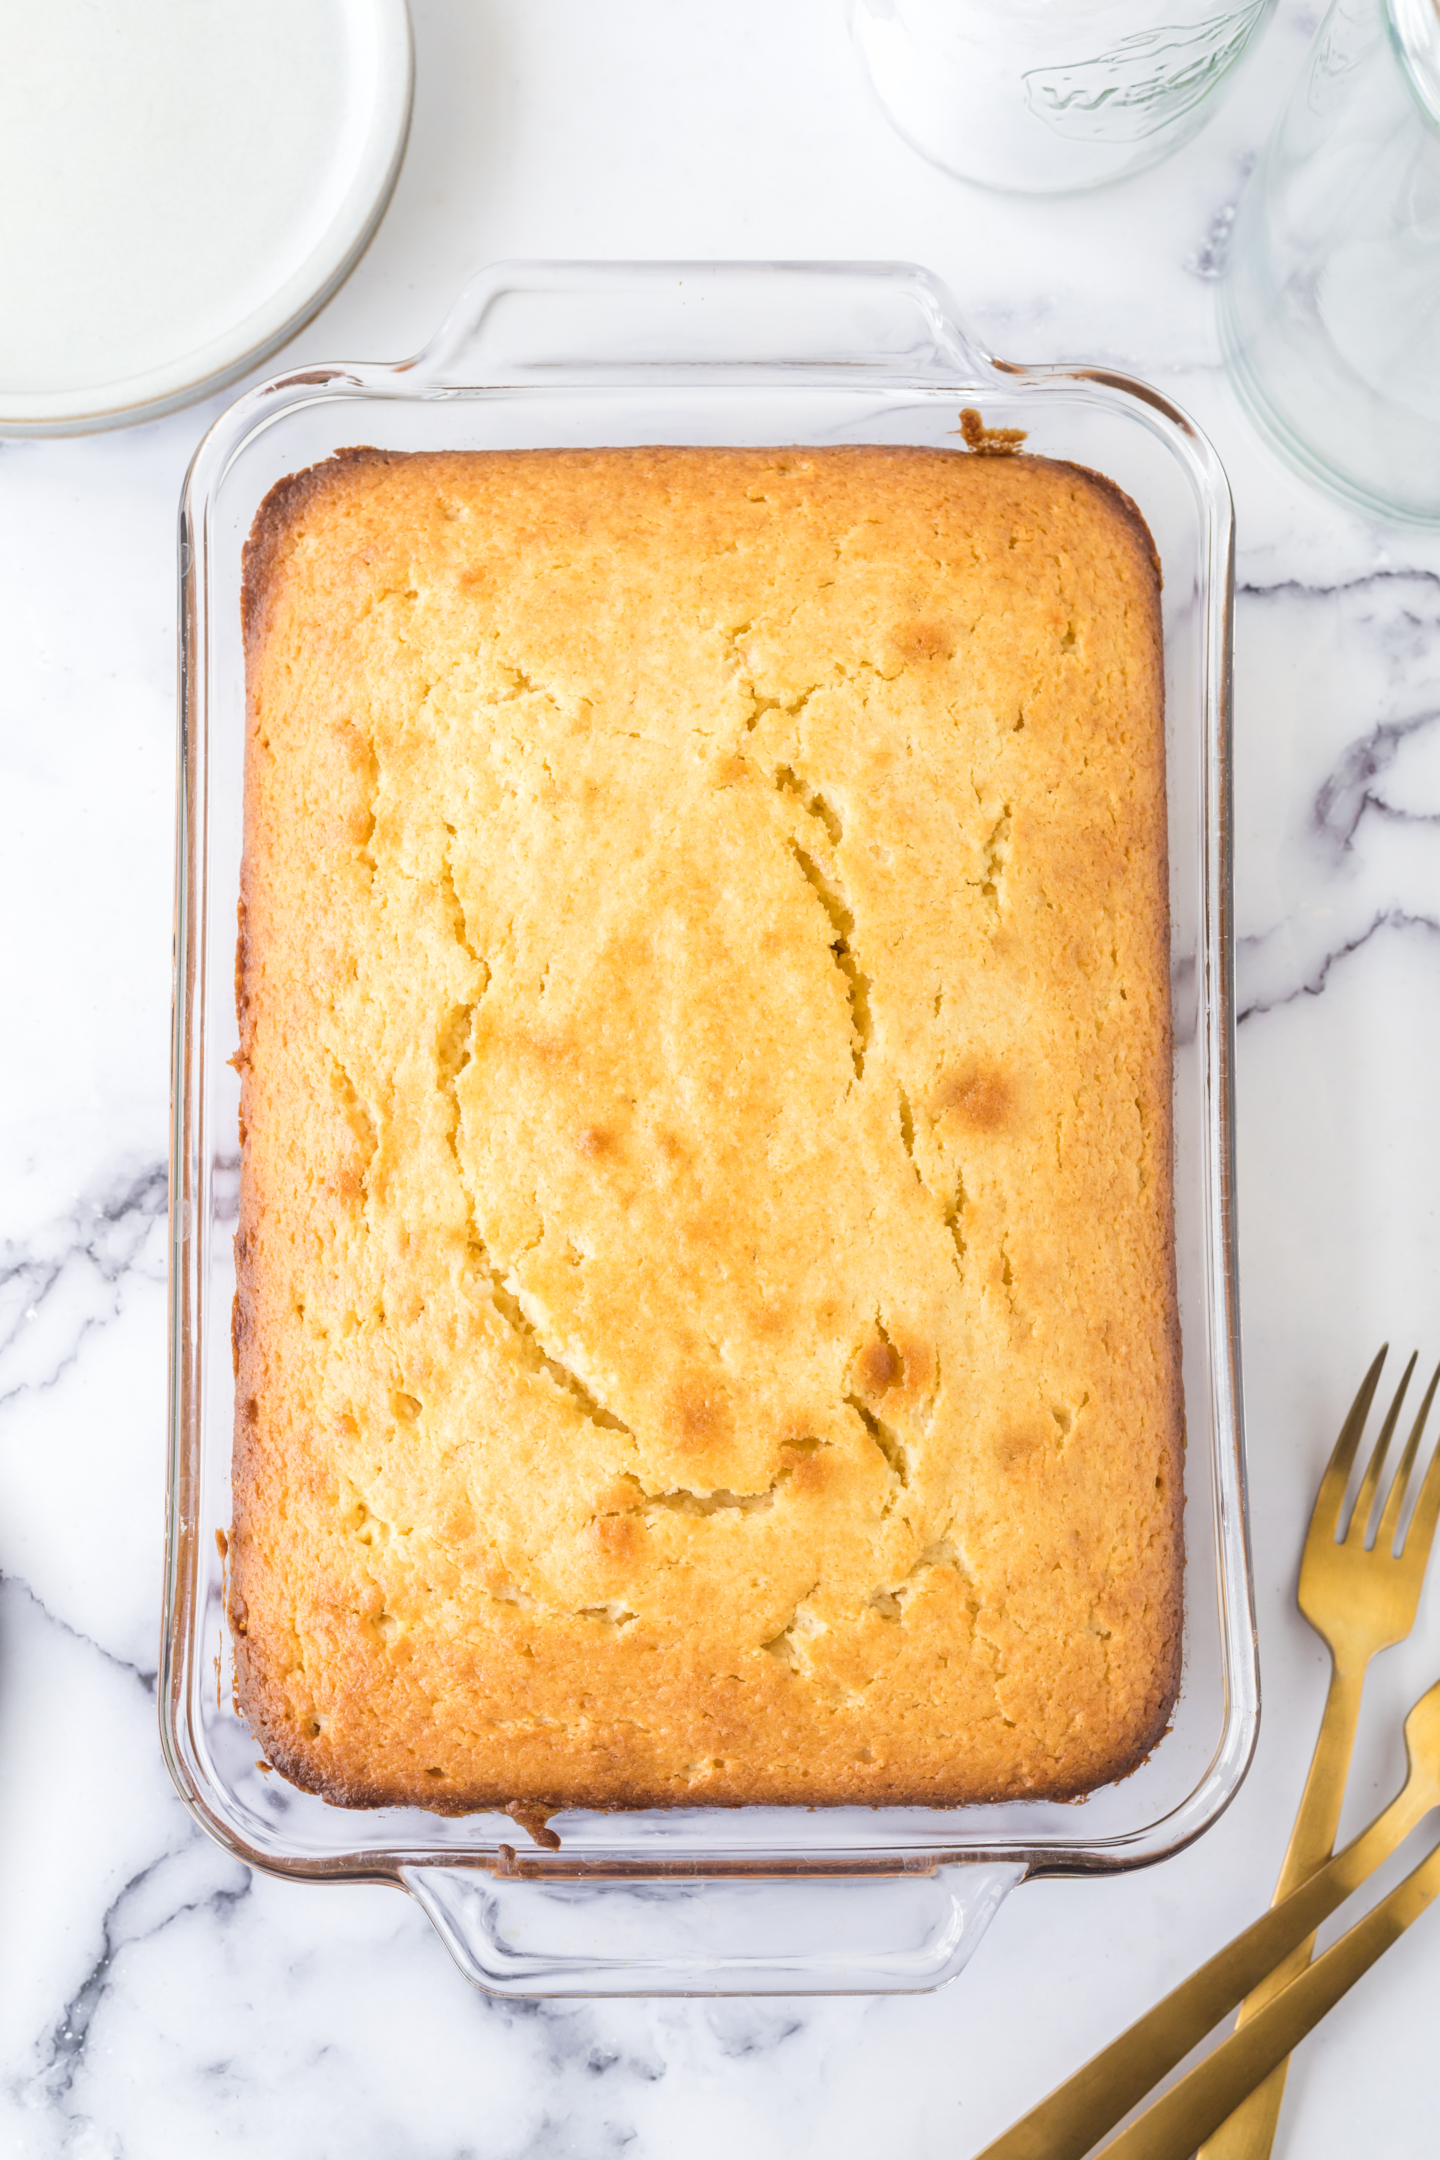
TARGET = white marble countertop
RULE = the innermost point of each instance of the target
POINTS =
(155, 1998)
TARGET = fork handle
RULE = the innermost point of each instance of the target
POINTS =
(1318, 1817)
(1167, 2131)
(1250, 2131)
(1078, 2113)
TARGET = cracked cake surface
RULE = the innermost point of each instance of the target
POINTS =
(705, 1327)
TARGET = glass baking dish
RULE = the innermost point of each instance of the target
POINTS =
(749, 1900)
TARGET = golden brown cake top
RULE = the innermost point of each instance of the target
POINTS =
(706, 1323)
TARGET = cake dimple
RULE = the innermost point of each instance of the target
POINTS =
(705, 1327)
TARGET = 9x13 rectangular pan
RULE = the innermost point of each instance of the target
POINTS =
(749, 1900)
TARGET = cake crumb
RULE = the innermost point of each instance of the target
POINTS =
(533, 1817)
(989, 441)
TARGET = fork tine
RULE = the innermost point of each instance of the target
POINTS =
(1330, 1498)
(1419, 1536)
(1395, 1499)
(1365, 1499)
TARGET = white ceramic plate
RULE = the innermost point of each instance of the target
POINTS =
(182, 184)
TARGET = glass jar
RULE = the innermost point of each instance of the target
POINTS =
(1330, 306)
(1044, 97)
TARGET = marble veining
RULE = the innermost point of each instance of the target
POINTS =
(1209, 258)
(14, 1586)
(143, 1910)
(69, 1276)
(1361, 848)
(156, 1998)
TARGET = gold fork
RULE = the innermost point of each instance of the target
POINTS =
(1338, 1582)
(1207, 2097)
(1067, 2124)
(1361, 1599)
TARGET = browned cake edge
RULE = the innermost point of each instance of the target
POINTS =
(280, 509)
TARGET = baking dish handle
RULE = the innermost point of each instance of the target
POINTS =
(689, 1935)
(554, 321)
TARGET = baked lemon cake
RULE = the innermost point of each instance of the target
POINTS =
(706, 1323)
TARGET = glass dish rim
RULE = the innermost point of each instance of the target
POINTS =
(955, 362)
